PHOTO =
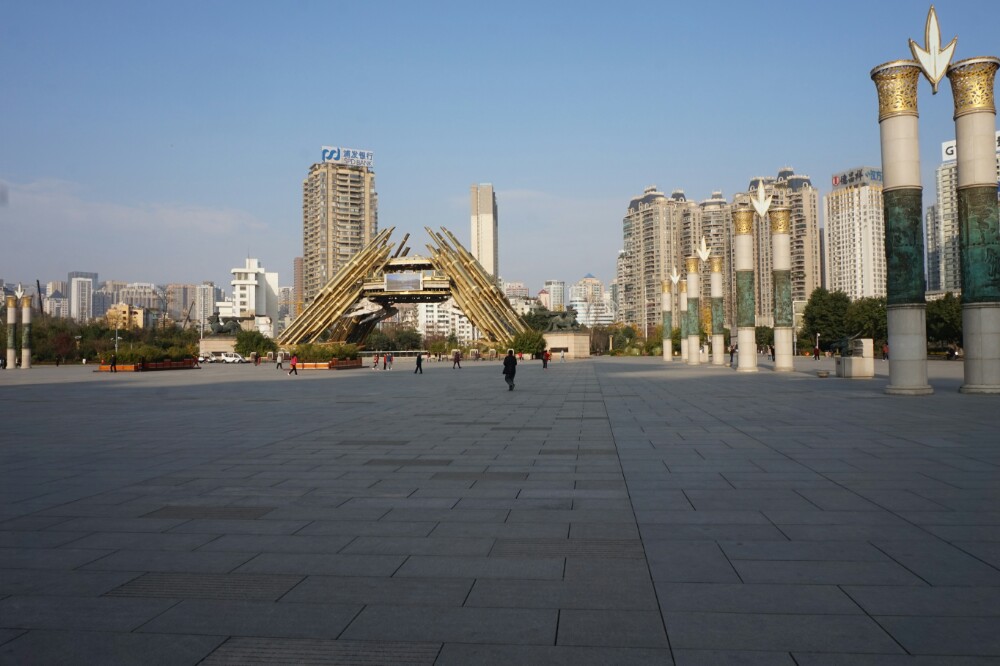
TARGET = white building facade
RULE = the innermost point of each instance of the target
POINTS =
(855, 234)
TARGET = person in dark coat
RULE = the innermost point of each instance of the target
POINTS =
(509, 369)
(420, 364)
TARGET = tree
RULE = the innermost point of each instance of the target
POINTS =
(675, 341)
(867, 316)
(826, 314)
(763, 336)
(538, 319)
(378, 340)
(407, 338)
(528, 342)
(248, 342)
(944, 320)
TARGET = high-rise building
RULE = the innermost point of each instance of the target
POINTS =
(297, 288)
(339, 215)
(557, 294)
(485, 245)
(255, 294)
(206, 296)
(515, 290)
(716, 227)
(180, 299)
(944, 267)
(81, 306)
(855, 234)
(588, 298)
(69, 284)
(143, 295)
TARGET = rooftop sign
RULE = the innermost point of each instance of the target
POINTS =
(348, 156)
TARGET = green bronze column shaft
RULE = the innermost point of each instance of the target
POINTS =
(668, 320)
(11, 331)
(746, 334)
(896, 84)
(693, 312)
(715, 290)
(682, 298)
(972, 83)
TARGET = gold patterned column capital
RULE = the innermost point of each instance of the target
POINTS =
(692, 264)
(716, 264)
(743, 221)
(665, 286)
(972, 84)
(896, 83)
(26, 301)
(781, 220)
(683, 286)
(11, 302)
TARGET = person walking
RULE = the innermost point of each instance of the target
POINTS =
(885, 351)
(375, 362)
(390, 360)
(385, 361)
(292, 365)
(545, 359)
(279, 358)
(114, 363)
(816, 353)
(420, 364)
(562, 356)
(456, 360)
(732, 354)
(509, 369)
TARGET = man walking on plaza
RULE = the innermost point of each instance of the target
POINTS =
(509, 369)
(420, 364)
(456, 360)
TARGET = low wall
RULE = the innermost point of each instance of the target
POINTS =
(187, 364)
(576, 345)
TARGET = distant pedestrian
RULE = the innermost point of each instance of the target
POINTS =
(816, 353)
(562, 355)
(114, 363)
(293, 365)
(385, 361)
(390, 360)
(545, 359)
(456, 360)
(57, 360)
(375, 362)
(420, 364)
(279, 358)
(732, 354)
(770, 349)
(509, 369)
(885, 351)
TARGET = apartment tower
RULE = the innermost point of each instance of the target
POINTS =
(339, 215)
(855, 234)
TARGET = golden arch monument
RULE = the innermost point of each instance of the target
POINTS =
(364, 291)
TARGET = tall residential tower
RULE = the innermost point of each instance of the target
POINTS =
(855, 234)
(483, 204)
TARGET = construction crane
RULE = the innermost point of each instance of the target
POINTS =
(187, 317)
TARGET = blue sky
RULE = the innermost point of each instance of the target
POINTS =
(165, 142)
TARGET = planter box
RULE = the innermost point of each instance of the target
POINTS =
(337, 364)
(187, 364)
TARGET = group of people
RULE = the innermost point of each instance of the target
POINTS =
(386, 361)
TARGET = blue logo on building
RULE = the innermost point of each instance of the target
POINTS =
(331, 154)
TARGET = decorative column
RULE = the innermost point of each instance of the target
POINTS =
(682, 297)
(781, 259)
(668, 321)
(11, 331)
(896, 83)
(25, 332)
(746, 334)
(979, 228)
(693, 312)
(718, 337)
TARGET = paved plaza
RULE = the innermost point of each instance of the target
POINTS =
(607, 511)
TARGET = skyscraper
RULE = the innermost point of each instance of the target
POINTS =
(855, 234)
(483, 203)
(557, 294)
(339, 215)
(81, 290)
(93, 286)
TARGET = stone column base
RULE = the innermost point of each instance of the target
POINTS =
(694, 350)
(784, 361)
(981, 335)
(746, 357)
(718, 350)
(908, 350)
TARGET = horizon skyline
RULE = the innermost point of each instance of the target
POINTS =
(574, 120)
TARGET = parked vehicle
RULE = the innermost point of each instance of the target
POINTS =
(231, 357)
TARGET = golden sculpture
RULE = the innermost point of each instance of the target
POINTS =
(896, 83)
(972, 84)
(781, 220)
(743, 221)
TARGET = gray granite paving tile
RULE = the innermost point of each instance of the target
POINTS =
(842, 532)
(481, 567)
(360, 528)
(618, 571)
(602, 531)
(731, 658)
(741, 631)
(238, 651)
(7, 635)
(503, 530)
(447, 515)
(518, 503)
(876, 517)
(927, 601)
(966, 532)
(462, 625)
(316, 563)
(755, 598)
(434, 545)
(689, 562)
(32, 523)
(253, 618)
(398, 591)
(162, 560)
(253, 543)
(142, 541)
(585, 594)
(825, 573)
(611, 628)
(815, 659)
(262, 526)
(940, 563)
(48, 558)
(747, 500)
(458, 654)
(843, 551)
(711, 532)
(971, 636)
(39, 539)
(118, 524)
(84, 613)
(69, 648)
(986, 551)
(660, 517)
(61, 583)
(571, 516)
